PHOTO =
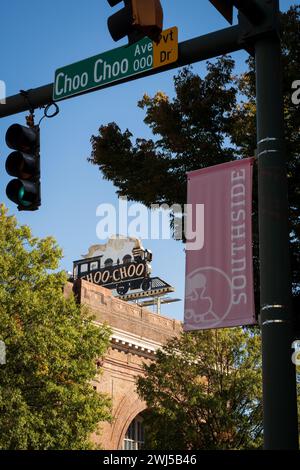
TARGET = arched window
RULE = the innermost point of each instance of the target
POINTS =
(108, 262)
(127, 259)
(134, 437)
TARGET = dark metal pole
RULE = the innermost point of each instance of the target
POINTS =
(279, 379)
(35, 98)
(194, 50)
(251, 9)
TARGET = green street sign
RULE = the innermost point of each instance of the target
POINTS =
(112, 66)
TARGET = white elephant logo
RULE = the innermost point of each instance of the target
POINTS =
(208, 298)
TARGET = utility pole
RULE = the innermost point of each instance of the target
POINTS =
(279, 384)
(260, 32)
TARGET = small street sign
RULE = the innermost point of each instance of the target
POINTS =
(112, 66)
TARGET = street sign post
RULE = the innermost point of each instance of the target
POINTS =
(224, 41)
(115, 65)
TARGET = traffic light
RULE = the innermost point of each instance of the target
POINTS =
(256, 18)
(138, 18)
(255, 11)
(24, 164)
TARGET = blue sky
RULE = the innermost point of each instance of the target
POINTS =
(36, 39)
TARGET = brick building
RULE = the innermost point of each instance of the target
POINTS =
(136, 335)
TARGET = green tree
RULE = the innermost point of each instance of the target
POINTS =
(204, 392)
(210, 120)
(47, 400)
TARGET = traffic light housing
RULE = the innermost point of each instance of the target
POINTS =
(253, 10)
(256, 18)
(24, 164)
(225, 7)
(138, 18)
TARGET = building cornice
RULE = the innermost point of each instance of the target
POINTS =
(129, 342)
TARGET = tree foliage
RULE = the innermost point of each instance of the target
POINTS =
(204, 392)
(190, 130)
(46, 397)
(210, 120)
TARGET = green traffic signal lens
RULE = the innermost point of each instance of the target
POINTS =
(21, 194)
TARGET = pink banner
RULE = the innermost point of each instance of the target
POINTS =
(219, 275)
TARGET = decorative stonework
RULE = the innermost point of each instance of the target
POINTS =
(136, 335)
(116, 248)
